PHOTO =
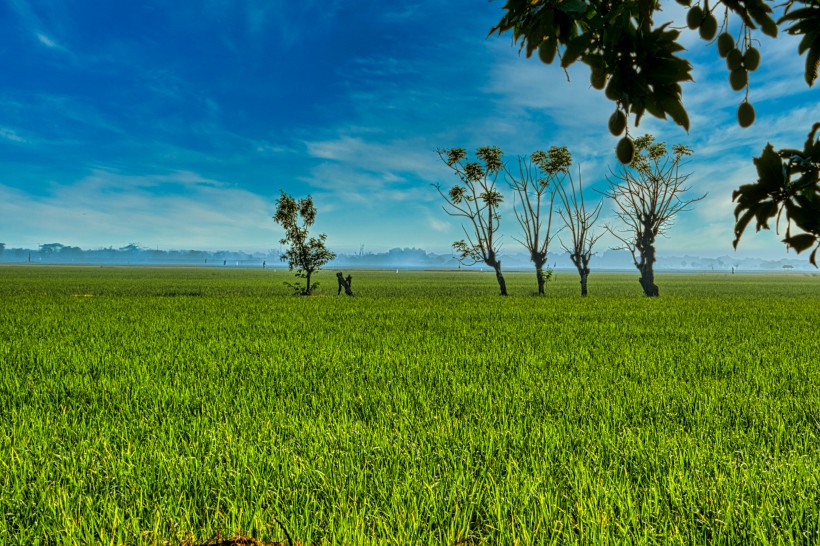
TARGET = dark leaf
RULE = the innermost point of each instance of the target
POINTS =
(770, 168)
(802, 13)
(575, 48)
(676, 111)
(812, 63)
(801, 242)
(764, 212)
(760, 11)
(573, 6)
(808, 39)
(741, 225)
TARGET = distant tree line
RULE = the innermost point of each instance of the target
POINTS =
(58, 253)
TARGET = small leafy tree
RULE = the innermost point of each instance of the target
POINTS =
(648, 195)
(579, 221)
(305, 254)
(477, 200)
(537, 177)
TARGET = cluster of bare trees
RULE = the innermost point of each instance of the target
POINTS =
(646, 194)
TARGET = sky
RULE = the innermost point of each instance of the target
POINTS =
(176, 124)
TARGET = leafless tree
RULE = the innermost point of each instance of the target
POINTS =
(534, 185)
(477, 200)
(648, 195)
(580, 222)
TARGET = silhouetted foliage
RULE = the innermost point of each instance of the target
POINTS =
(305, 254)
(537, 178)
(477, 200)
(648, 195)
(636, 62)
(788, 181)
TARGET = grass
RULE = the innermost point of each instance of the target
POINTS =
(151, 406)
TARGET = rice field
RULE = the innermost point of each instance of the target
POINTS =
(169, 405)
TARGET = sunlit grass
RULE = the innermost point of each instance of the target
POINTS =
(146, 405)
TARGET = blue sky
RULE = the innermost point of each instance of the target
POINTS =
(175, 124)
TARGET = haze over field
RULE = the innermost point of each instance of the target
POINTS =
(175, 126)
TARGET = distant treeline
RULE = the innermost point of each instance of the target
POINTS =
(406, 258)
(57, 253)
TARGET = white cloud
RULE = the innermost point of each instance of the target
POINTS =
(11, 135)
(174, 210)
(48, 42)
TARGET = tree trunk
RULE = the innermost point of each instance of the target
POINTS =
(539, 273)
(500, 278)
(344, 283)
(584, 276)
(646, 248)
(307, 282)
(647, 280)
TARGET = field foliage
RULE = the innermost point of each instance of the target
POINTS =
(144, 406)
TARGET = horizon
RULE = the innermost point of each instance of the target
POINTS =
(174, 128)
(404, 258)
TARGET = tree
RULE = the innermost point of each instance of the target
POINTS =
(477, 200)
(579, 221)
(537, 176)
(635, 61)
(306, 254)
(648, 195)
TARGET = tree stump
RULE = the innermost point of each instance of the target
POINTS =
(344, 283)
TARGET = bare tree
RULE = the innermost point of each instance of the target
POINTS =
(537, 177)
(648, 195)
(579, 221)
(477, 200)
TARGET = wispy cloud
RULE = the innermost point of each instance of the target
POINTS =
(174, 210)
(11, 135)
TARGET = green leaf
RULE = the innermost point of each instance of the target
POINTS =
(575, 48)
(573, 6)
(763, 212)
(801, 242)
(812, 63)
(759, 11)
(802, 13)
(741, 224)
(770, 168)
(674, 107)
(808, 39)
(802, 214)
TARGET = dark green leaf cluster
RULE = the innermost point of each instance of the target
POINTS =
(467, 252)
(616, 39)
(636, 61)
(788, 181)
(557, 160)
(806, 21)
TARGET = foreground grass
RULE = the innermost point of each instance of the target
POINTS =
(141, 406)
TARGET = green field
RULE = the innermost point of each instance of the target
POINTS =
(150, 405)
